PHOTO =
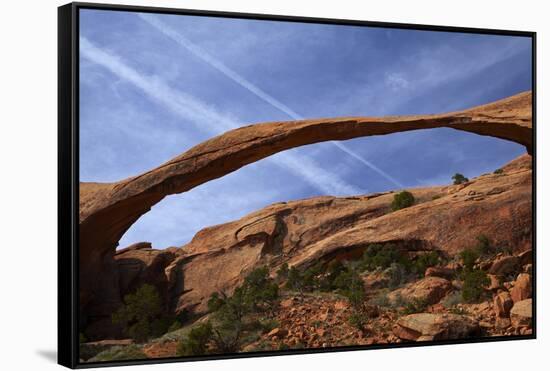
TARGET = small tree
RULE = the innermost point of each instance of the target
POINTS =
(416, 305)
(257, 293)
(196, 342)
(483, 245)
(469, 257)
(397, 275)
(352, 287)
(498, 171)
(424, 261)
(258, 290)
(402, 200)
(295, 280)
(459, 178)
(474, 285)
(141, 315)
(282, 272)
(334, 269)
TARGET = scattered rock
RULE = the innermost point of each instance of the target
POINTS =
(441, 272)
(278, 333)
(526, 257)
(504, 265)
(495, 282)
(429, 289)
(522, 313)
(502, 323)
(522, 288)
(502, 303)
(428, 326)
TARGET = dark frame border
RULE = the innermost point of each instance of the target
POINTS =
(68, 178)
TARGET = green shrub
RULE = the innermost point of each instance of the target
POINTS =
(196, 342)
(257, 293)
(451, 300)
(415, 306)
(259, 290)
(473, 287)
(498, 171)
(469, 257)
(459, 178)
(311, 277)
(283, 346)
(402, 200)
(424, 261)
(381, 256)
(334, 269)
(358, 320)
(282, 272)
(306, 281)
(352, 287)
(378, 256)
(381, 299)
(483, 245)
(295, 280)
(397, 275)
(435, 197)
(176, 325)
(119, 353)
(141, 316)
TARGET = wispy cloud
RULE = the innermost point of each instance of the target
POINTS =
(254, 89)
(207, 118)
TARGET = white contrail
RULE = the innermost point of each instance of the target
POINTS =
(207, 118)
(215, 63)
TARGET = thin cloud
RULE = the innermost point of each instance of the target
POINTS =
(207, 118)
(254, 89)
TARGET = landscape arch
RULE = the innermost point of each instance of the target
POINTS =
(108, 210)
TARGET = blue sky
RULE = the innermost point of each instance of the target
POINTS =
(153, 86)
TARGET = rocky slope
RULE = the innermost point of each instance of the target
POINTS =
(446, 219)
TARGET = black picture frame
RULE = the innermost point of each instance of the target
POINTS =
(68, 177)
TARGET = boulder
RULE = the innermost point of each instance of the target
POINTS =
(277, 333)
(504, 265)
(522, 288)
(429, 326)
(441, 272)
(502, 303)
(521, 313)
(526, 257)
(429, 290)
(495, 284)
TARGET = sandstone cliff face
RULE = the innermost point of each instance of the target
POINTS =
(299, 232)
(304, 232)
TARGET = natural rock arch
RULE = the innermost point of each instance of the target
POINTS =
(107, 210)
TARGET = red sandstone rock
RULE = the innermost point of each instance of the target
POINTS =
(502, 303)
(522, 288)
(442, 272)
(429, 289)
(428, 326)
(521, 313)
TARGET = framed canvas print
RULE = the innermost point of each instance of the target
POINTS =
(236, 185)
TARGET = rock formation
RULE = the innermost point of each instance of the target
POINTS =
(304, 232)
(429, 326)
(279, 232)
